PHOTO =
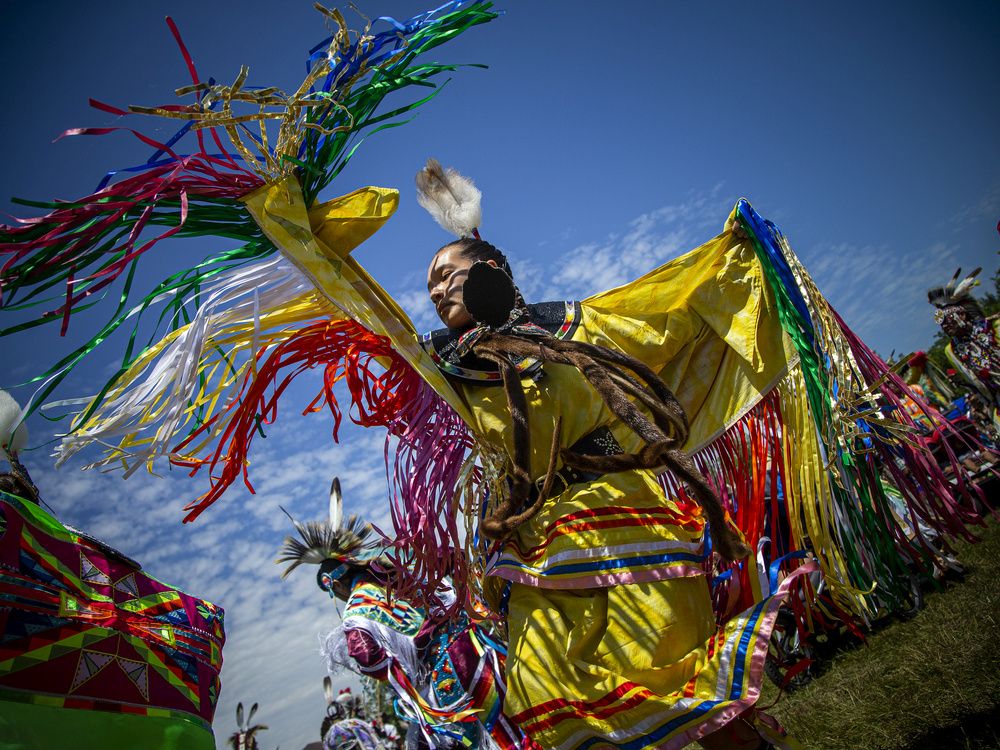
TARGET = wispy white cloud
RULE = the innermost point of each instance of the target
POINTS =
(986, 209)
(881, 291)
(646, 242)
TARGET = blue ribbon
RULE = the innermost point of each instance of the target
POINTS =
(767, 234)
(775, 567)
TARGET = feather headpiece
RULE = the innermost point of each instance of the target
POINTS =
(955, 292)
(331, 539)
(245, 735)
(452, 199)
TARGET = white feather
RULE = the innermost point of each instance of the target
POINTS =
(949, 288)
(13, 432)
(336, 504)
(965, 287)
(451, 199)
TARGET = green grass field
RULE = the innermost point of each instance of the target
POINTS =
(931, 683)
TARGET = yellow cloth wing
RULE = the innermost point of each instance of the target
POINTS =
(707, 323)
(319, 241)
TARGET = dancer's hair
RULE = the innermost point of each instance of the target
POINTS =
(476, 249)
(623, 382)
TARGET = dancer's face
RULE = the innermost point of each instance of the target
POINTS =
(445, 279)
(955, 322)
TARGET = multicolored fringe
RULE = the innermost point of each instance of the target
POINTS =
(426, 442)
(805, 471)
(345, 350)
(87, 244)
(235, 330)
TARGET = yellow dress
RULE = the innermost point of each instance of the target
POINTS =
(612, 635)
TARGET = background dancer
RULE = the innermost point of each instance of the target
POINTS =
(447, 673)
(973, 347)
(94, 652)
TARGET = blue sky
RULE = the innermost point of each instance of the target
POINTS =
(606, 137)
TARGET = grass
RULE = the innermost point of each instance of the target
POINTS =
(931, 683)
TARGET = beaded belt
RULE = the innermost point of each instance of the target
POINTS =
(600, 442)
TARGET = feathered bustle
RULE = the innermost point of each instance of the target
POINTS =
(452, 199)
(321, 541)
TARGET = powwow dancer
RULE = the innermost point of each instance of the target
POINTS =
(974, 345)
(447, 673)
(245, 736)
(618, 643)
(730, 352)
(344, 726)
(95, 653)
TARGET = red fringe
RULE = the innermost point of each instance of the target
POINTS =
(427, 439)
(745, 465)
(348, 351)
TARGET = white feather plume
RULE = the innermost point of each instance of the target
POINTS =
(336, 504)
(13, 432)
(950, 286)
(964, 288)
(955, 292)
(451, 199)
